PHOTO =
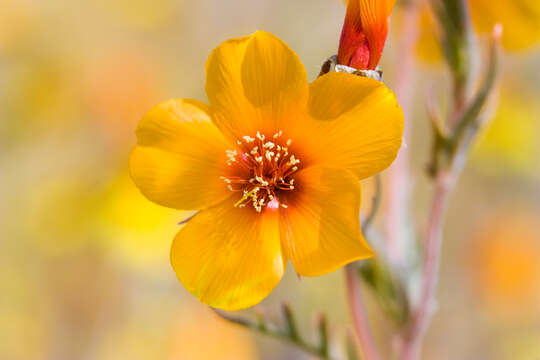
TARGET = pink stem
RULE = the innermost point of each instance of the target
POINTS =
(359, 315)
(398, 181)
(412, 341)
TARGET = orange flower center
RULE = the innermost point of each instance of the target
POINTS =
(262, 169)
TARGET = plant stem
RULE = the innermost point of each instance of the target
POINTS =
(354, 292)
(398, 178)
(464, 134)
(359, 315)
(276, 333)
(413, 340)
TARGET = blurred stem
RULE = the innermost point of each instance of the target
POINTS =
(354, 291)
(430, 272)
(454, 18)
(289, 334)
(359, 314)
(456, 148)
(398, 177)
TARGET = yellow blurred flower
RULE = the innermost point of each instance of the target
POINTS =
(273, 165)
(510, 140)
(520, 20)
(504, 262)
(41, 95)
(136, 231)
(428, 48)
(77, 199)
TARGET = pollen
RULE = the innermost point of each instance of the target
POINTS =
(269, 167)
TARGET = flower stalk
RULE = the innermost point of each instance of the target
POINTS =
(454, 148)
(359, 314)
(287, 332)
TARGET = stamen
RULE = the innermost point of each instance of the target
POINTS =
(270, 168)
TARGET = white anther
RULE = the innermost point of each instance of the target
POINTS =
(261, 181)
(259, 159)
(248, 139)
(269, 145)
(259, 136)
(278, 134)
(238, 142)
(284, 206)
(295, 168)
(231, 155)
(291, 187)
(254, 151)
(289, 142)
(269, 155)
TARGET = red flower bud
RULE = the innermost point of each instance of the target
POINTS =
(364, 33)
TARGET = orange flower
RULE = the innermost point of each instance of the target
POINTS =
(504, 260)
(273, 165)
(364, 33)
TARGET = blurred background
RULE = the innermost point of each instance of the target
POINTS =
(84, 258)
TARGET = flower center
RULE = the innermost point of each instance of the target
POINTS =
(262, 168)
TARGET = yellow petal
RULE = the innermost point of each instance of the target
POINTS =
(228, 257)
(428, 48)
(520, 20)
(255, 83)
(320, 228)
(359, 123)
(180, 156)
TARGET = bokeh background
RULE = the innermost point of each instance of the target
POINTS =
(84, 258)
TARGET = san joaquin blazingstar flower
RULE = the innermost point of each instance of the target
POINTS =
(364, 33)
(273, 164)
